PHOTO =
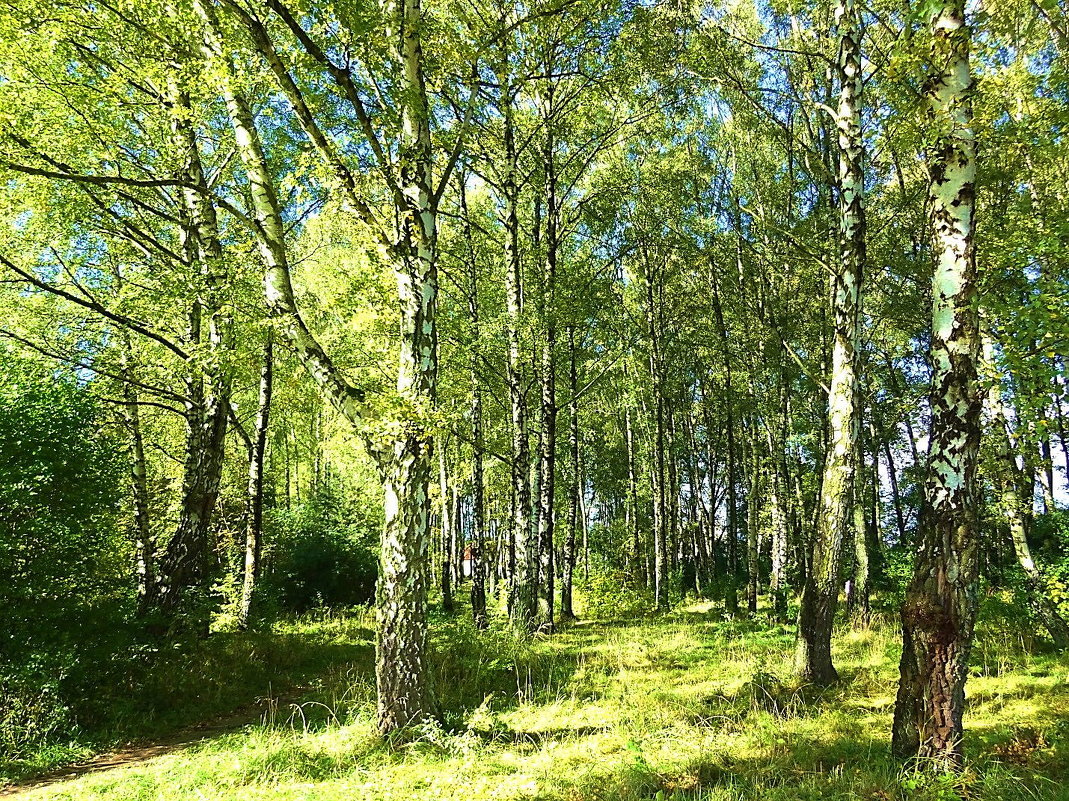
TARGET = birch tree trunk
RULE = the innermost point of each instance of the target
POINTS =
(637, 562)
(659, 475)
(405, 458)
(254, 494)
(445, 521)
(566, 611)
(731, 592)
(892, 475)
(820, 594)
(939, 612)
(144, 542)
(478, 498)
(548, 439)
(777, 492)
(400, 669)
(523, 605)
(753, 523)
(184, 563)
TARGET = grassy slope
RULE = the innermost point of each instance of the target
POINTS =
(685, 706)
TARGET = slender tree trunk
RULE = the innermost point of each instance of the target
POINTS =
(659, 475)
(547, 482)
(939, 612)
(675, 521)
(859, 606)
(584, 517)
(456, 538)
(1059, 415)
(183, 566)
(731, 594)
(778, 578)
(566, 611)
(405, 463)
(778, 502)
(637, 557)
(892, 475)
(696, 522)
(478, 501)
(820, 594)
(660, 544)
(524, 601)
(753, 524)
(254, 494)
(144, 542)
(1046, 472)
(400, 670)
(446, 531)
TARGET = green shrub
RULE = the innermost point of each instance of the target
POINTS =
(608, 594)
(322, 553)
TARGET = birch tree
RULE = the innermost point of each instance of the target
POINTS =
(403, 446)
(939, 612)
(820, 594)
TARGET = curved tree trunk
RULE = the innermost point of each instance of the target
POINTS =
(405, 463)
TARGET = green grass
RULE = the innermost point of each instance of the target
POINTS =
(685, 706)
(225, 681)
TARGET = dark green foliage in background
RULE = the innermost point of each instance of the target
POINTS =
(62, 554)
(60, 483)
(323, 552)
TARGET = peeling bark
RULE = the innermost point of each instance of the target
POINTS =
(820, 593)
(939, 612)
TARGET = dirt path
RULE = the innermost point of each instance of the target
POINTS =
(142, 752)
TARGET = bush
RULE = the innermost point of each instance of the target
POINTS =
(59, 490)
(323, 553)
(1050, 534)
(608, 594)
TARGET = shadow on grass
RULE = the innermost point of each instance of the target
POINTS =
(186, 692)
(535, 738)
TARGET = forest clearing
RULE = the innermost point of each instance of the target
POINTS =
(574, 399)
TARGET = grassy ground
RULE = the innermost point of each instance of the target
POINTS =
(685, 706)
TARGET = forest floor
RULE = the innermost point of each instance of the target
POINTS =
(682, 706)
